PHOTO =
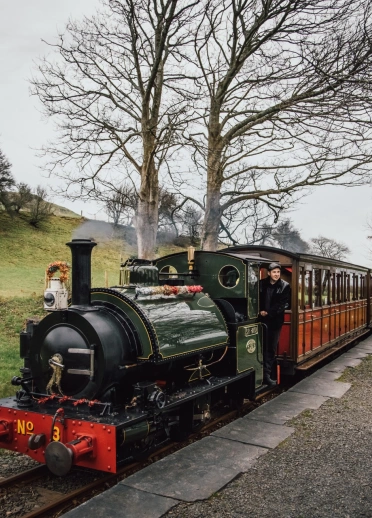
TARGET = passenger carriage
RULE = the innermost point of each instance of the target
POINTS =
(330, 304)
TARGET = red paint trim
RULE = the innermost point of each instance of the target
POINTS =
(102, 455)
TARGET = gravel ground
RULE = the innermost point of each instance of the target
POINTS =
(15, 502)
(12, 463)
(323, 470)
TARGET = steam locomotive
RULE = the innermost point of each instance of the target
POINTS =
(114, 372)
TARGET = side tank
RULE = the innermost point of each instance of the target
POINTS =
(232, 283)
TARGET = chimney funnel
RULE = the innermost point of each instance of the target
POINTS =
(81, 251)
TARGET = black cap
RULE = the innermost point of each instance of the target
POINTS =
(272, 266)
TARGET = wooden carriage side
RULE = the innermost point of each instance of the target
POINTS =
(333, 306)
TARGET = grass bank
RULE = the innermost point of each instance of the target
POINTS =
(26, 251)
(13, 315)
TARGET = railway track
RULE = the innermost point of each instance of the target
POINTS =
(26, 476)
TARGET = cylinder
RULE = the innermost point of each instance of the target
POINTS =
(81, 251)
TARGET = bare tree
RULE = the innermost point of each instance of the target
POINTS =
(284, 101)
(327, 247)
(191, 223)
(120, 205)
(289, 238)
(6, 181)
(22, 197)
(248, 222)
(169, 206)
(252, 222)
(40, 208)
(115, 94)
(369, 228)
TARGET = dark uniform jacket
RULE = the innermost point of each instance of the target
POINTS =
(279, 302)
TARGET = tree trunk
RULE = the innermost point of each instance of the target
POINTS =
(147, 213)
(213, 213)
(148, 197)
(211, 225)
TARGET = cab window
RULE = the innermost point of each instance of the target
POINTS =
(253, 276)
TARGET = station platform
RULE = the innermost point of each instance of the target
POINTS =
(207, 477)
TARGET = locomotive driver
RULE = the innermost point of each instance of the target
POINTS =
(274, 300)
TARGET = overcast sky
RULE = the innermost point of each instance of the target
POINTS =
(336, 212)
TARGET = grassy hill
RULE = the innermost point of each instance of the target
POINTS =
(25, 253)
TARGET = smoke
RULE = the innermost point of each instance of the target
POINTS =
(98, 231)
(102, 232)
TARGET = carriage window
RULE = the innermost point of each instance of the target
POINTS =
(333, 288)
(325, 287)
(339, 288)
(343, 287)
(300, 290)
(307, 289)
(316, 288)
(361, 287)
(355, 287)
(343, 297)
(349, 287)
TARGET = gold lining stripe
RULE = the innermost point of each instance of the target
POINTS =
(200, 349)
